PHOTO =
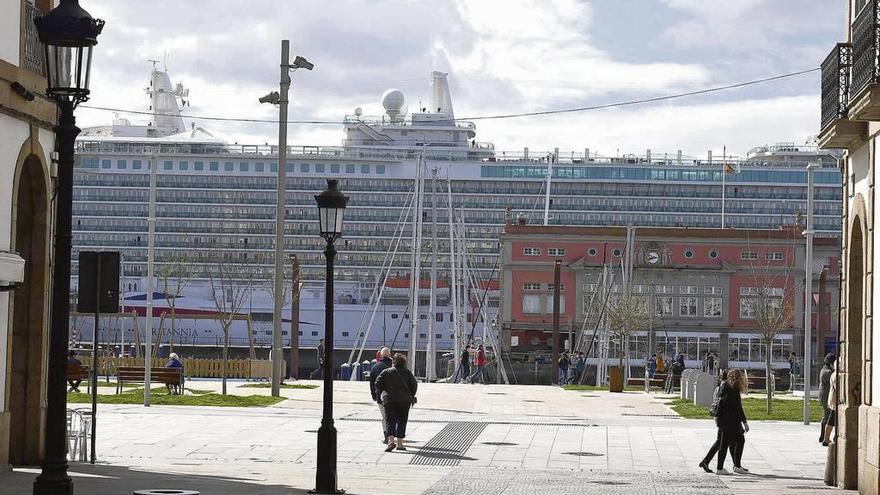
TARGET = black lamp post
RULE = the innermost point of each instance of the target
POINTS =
(68, 34)
(331, 208)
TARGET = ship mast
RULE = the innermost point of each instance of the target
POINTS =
(416, 262)
(431, 351)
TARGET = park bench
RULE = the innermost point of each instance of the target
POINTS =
(135, 374)
(652, 382)
(79, 372)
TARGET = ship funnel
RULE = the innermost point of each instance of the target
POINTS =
(441, 102)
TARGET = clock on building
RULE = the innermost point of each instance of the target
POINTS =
(652, 257)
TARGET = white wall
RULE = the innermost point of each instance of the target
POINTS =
(10, 29)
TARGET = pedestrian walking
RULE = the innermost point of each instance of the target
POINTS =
(397, 388)
(709, 362)
(828, 398)
(793, 364)
(384, 362)
(319, 372)
(579, 367)
(651, 365)
(464, 364)
(480, 370)
(732, 423)
(661, 364)
(562, 365)
(715, 446)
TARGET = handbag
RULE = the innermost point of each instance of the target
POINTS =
(715, 408)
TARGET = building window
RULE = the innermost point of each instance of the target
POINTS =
(713, 291)
(549, 299)
(365, 169)
(531, 286)
(617, 252)
(592, 252)
(183, 165)
(304, 168)
(273, 167)
(199, 166)
(664, 289)
(687, 307)
(168, 165)
(228, 166)
(590, 288)
(121, 164)
(349, 168)
(532, 251)
(556, 251)
(380, 169)
(561, 287)
(423, 336)
(393, 316)
(748, 255)
(136, 164)
(314, 334)
(289, 168)
(334, 168)
(319, 168)
(689, 289)
(531, 304)
(775, 256)
(259, 167)
(423, 316)
(108, 163)
(214, 166)
(243, 166)
(712, 307)
(439, 317)
(345, 334)
(689, 254)
(713, 254)
(664, 306)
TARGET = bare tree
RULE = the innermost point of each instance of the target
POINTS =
(626, 314)
(232, 275)
(174, 274)
(770, 302)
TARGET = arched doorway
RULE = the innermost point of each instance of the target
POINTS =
(28, 325)
(851, 377)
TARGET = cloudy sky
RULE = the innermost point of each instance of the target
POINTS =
(502, 57)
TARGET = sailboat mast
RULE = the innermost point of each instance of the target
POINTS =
(453, 287)
(415, 275)
(430, 351)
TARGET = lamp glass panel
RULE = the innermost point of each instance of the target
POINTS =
(340, 213)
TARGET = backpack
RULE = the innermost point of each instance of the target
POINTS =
(715, 408)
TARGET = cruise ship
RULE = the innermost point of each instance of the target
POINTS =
(215, 197)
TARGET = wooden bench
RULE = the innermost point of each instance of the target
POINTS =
(79, 372)
(135, 374)
(652, 382)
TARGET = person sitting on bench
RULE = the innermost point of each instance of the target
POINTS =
(71, 359)
(174, 362)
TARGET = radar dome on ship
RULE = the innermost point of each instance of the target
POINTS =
(394, 103)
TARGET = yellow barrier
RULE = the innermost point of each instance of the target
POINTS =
(199, 368)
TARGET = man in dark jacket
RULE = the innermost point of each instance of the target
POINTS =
(381, 365)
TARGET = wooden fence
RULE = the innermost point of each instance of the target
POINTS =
(199, 368)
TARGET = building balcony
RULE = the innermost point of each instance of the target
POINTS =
(837, 131)
(864, 99)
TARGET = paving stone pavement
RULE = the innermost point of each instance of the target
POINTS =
(567, 442)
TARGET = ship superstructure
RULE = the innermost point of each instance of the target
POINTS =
(214, 196)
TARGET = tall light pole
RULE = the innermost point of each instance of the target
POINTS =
(808, 296)
(281, 100)
(68, 34)
(331, 208)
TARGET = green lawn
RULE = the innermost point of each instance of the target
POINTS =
(755, 409)
(162, 399)
(283, 385)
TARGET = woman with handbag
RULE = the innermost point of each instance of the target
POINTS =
(397, 387)
(732, 422)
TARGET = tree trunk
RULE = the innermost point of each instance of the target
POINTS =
(768, 382)
(225, 354)
(171, 337)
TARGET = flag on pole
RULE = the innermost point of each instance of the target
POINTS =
(730, 168)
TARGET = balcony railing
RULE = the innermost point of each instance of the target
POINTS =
(33, 49)
(835, 83)
(865, 48)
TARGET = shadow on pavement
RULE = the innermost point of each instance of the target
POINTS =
(118, 480)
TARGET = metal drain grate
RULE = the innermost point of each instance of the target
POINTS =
(447, 448)
(498, 444)
(583, 454)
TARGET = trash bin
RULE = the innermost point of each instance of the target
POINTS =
(345, 372)
(615, 379)
(365, 370)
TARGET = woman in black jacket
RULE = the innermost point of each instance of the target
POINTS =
(397, 387)
(732, 422)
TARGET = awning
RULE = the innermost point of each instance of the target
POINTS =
(11, 269)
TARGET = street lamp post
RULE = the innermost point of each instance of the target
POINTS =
(68, 34)
(331, 208)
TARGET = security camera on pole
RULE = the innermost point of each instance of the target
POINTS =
(280, 99)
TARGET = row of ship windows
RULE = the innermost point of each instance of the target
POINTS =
(370, 183)
(651, 174)
(199, 166)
